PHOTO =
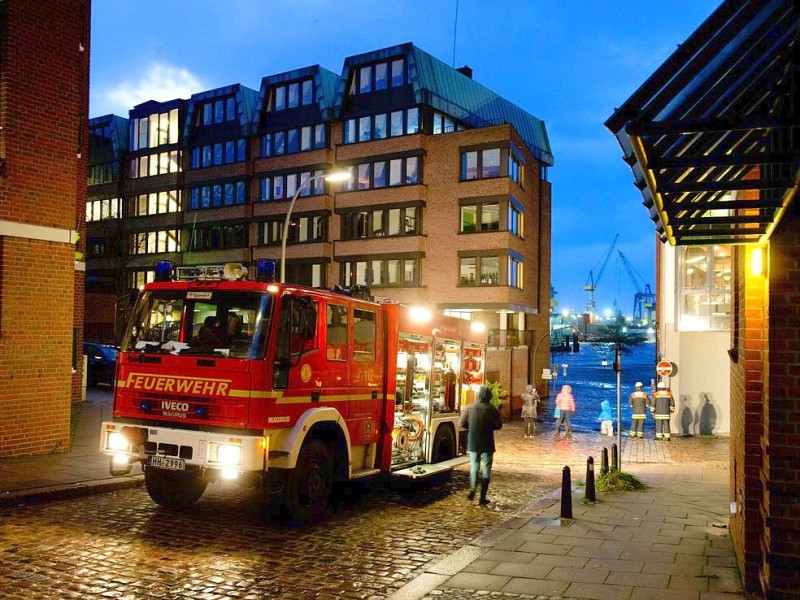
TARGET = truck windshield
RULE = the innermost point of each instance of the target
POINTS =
(212, 323)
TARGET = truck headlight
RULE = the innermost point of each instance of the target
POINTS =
(117, 442)
(226, 454)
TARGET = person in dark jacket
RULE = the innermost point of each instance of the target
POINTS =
(481, 420)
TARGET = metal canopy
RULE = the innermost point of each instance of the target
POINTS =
(712, 136)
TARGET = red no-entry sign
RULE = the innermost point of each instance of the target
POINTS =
(664, 368)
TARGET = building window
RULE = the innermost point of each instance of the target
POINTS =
(231, 193)
(380, 272)
(442, 123)
(705, 287)
(291, 141)
(516, 220)
(101, 210)
(382, 125)
(283, 187)
(378, 76)
(96, 247)
(302, 229)
(515, 271)
(311, 274)
(219, 237)
(155, 242)
(155, 164)
(155, 203)
(219, 153)
(155, 130)
(104, 173)
(366, 176)
(480, 217)
(479, 270)
(292, 95)
(515, 168)
(137, 279)
(491, 162)
(385, 222)
(219, 110)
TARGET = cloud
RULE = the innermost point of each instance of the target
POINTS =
(160, 82)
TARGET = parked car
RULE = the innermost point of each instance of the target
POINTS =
(101, 364)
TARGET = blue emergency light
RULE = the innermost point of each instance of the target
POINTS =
(265, 270)
(165, 269)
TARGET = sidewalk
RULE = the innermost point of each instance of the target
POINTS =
(669, 541)
(83, 470)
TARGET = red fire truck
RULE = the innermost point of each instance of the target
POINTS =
(290, 388)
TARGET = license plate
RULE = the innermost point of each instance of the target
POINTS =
(165, 462)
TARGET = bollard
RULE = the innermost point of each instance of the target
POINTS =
(614, 462)
(566, 494)
(604, 461)
(590, 479)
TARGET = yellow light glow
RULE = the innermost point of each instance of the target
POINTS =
(420, 314)
(477, 327)
(338, 176)
(757, 262)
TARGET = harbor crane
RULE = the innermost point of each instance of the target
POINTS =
(644, 302)
(592, 281)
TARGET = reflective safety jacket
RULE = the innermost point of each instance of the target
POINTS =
(639, 402)
(663, 404)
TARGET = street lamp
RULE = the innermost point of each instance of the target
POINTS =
(335, 176)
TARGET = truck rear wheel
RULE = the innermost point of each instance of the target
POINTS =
(173, 489)
(309, 485)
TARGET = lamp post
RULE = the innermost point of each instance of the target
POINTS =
(536, 348)
(335, 176)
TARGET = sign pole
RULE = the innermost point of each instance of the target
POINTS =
(618, 371)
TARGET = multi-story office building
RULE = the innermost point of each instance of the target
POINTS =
(448, 202)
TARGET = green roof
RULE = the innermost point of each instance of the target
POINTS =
(446, 89)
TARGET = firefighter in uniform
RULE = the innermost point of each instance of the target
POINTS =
(663, 407)
(639, 402)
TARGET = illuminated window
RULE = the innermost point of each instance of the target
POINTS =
(491, 162)
(380, 272)
(479, 270)
(154, 130)
(704, 281)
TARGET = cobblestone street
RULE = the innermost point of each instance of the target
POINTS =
(121, 545)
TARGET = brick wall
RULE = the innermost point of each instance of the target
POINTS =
(780, 538)
(43, 114)
(748, 413)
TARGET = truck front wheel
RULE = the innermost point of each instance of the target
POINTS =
(309, 485)
(173, 489)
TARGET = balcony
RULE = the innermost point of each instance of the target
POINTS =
(509, 338)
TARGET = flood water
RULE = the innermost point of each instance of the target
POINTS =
(591, 374)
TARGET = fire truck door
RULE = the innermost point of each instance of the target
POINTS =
(366, 378)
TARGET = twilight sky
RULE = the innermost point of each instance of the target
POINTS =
(567, 62)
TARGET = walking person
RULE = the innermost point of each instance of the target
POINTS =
(639, 401)
(530, 400)
(606, 419)
(663, 407)
(481, 420)
(565, 403)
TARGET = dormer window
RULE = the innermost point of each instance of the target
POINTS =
(292, 95)
(216, 111)
(378, 76)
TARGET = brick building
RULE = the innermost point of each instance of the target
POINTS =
(44, 101)
(447, 205)
(711, 137)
